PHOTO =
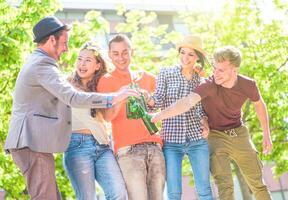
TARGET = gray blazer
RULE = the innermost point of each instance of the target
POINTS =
(41, 114)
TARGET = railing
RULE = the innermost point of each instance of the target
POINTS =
(2, 194)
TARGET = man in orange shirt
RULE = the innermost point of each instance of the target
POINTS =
(138, 153)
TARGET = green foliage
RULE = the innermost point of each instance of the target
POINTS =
(147, 40)
(15, 45)
(264, 47)
(87, 30)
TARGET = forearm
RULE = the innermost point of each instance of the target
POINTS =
(262, 114)
(111, 113)
(180, 106)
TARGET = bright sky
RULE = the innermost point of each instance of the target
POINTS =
(268, 9)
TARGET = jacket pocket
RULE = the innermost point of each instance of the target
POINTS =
(44, 116)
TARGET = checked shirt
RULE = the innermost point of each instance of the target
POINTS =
(172, 86)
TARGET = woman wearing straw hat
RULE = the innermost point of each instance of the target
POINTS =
(184, 134)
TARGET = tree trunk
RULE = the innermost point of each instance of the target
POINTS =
(245, 190)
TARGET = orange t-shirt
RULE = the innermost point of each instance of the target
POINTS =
(128, 131)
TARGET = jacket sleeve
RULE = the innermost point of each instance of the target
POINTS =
(49, 77)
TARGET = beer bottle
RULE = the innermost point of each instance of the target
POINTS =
(135, 111)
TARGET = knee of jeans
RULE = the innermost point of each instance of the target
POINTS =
(204, 190)
(174, 196)
(116, 191)
(88, 194)
(117, 195)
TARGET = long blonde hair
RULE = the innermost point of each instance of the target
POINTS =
(91, 85)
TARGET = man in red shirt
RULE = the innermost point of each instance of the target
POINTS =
(223, 96)
(138, 153)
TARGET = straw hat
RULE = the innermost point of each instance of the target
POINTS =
(193, 42)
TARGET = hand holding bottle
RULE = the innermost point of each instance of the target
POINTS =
(136, 108)
(124, 93)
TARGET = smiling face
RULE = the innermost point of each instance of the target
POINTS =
(120, 55)
(86, 65)
(225, 74)
(187, 57)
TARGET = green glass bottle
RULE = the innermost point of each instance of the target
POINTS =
(132, 108)
(135, 110)
(146, 118)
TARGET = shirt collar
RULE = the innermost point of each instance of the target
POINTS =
(39, 50)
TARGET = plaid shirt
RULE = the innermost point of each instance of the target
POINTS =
(172, 86)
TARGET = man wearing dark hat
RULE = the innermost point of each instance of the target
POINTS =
(41, 118)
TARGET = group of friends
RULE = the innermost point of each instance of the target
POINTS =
(201, 118)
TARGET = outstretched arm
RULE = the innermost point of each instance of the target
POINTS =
(179, 107)
(111, 113)
(262, 114)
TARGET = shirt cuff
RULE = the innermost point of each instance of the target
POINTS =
(109, 101)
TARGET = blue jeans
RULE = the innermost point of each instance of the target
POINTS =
(198, 154)
(86, 160)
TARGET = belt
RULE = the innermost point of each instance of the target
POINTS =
(231, 132)
(144, 143)
(149, 143)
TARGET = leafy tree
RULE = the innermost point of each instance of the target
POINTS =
(148, 40)
(15, 45)
(264, 47)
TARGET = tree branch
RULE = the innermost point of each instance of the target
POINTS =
(283, 64)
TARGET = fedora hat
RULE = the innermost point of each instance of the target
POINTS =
(192, 42)
(47, 26)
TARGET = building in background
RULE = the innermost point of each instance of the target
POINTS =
(167, 12)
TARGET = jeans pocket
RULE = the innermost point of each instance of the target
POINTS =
(158, 148)
(123, 151)
(74, 144)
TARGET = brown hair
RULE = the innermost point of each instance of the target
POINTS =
(202, 58)
(120, 38)
(91, 86)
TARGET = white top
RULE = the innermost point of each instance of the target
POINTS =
(82, 119)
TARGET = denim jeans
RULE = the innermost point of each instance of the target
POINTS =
(143, 169)
(198, 154)
(86, 160)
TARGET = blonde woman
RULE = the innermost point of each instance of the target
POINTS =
(89, 157)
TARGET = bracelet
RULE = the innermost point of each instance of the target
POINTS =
(109, 101)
